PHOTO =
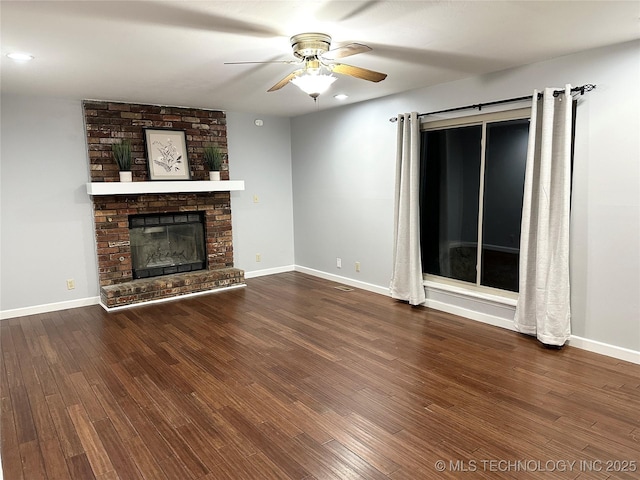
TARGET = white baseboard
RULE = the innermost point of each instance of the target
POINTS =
(269, 271)
(500, 305)
(171, 299)
(343, 280)
(48, 307)
(470, 314)
(594, 346)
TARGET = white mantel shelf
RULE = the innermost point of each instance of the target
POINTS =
(133, 188)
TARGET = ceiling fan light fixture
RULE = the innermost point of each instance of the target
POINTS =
(314, 85)
(316, 76)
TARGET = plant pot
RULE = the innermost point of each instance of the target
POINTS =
(126, 177)
(215, 176)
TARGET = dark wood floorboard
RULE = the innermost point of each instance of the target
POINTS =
(291, 378)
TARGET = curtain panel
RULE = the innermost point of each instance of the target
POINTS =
(543, 307)
(406, 280)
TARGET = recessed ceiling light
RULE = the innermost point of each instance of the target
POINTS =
(341, 96)
(20, 57)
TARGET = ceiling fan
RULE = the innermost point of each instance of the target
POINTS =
(318, 63)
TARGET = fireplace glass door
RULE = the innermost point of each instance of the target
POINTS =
(166, 244)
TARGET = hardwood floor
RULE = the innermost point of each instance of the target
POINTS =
(291, 378)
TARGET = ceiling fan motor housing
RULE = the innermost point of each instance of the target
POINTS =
(310, 44)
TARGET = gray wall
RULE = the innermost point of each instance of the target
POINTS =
(261, 156)
(343, 178)
(47, 227)
(343, 168)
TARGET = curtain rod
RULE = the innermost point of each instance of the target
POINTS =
(584, 88)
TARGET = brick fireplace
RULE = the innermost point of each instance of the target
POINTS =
(108, 122)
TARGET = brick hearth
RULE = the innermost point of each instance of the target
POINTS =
(167, 286)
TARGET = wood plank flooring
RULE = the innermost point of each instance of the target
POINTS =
(291, 378)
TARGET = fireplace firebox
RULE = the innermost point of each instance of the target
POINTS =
(166, 244)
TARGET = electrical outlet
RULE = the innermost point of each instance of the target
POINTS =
(357, 266)
(339, 262)
(258, 257)
(71, 284)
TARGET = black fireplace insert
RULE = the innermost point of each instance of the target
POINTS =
(167, 243)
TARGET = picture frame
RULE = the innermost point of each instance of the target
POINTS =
(166, 152)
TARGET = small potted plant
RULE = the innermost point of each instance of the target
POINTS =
(213, 158)
(122, 155)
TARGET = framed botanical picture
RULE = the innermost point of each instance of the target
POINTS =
(166, 154)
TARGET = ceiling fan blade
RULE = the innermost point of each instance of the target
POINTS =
(285, 80)
(358, 72)
(345, 51)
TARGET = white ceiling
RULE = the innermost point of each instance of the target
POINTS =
(173, 52)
